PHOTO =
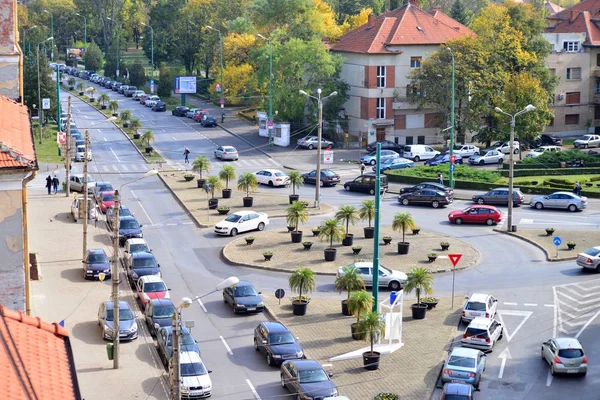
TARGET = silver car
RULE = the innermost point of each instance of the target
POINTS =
(587, 141)
(76, 183)
(394, 280)
(590, 259)
(565, 356)
(487, 157)
(128, 329)
(464, 365)
(226, 153)
(310, 142)
(562, 200)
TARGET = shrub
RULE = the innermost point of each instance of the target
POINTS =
(553, 158)
(462, 172)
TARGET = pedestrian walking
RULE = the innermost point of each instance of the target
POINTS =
(94, 212)
(49, 183)
(186, 154)
(55, 183)
(362, 167)
(577, 189)
(440, 178)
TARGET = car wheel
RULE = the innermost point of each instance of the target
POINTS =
(269, 361)
(435, 204)
(373, 162)
(405, 202)
(489, 222)
(347, 188)
(516, 151)
(539, 206)
(572, 208)
(395, 286)
(256, 344)
(233, 232)
(458, 221)
(371, 191)
(480, 201)
(585, 146)
(321, 183)
(282, 381)
(261, 226)
(271, 183)
(481, 162)
(542, 354)
(224, 299)
(501, 334)
(417, 159)
(310, 147)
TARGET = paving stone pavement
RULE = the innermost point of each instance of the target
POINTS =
(538, 237)
(287, 256)
(411, 372)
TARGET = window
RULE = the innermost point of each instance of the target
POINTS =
(380, 109)
(409, 141)
(572, 119)
(597, 60)
(420, 139)
(598, 87)
(381, 77)
(573, 73)
(573, 98)
(551, 123)
(597, 112)
(415, 62)
(571, 47)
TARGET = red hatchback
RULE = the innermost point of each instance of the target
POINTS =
(199, 114)
(476, 214)
(106, 200)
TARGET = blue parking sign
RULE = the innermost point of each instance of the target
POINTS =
(557, 241)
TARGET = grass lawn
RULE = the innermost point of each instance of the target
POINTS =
(47, 152)
(570, 179)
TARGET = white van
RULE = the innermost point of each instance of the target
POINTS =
(418, 152)
(80, 154)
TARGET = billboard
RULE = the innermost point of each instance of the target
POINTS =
(185, 84)
(77, 53)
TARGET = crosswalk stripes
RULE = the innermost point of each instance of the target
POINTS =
(117, 168)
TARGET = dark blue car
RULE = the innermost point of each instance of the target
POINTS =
(276, 342)
(159, 312)
(129, 228)
(142, 264)
(165, 343)
(307, 379)
(96, 262)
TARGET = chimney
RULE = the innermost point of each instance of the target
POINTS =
(573, 15)
(414, 3)
(370, 19)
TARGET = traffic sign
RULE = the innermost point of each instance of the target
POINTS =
(279, 293)
(270, 124)
(328, 157)
(455, 258)
(222, 101)
(452, 159)
(452, 167)
(46, 104)
(557, 241)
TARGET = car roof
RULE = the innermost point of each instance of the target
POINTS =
(271, 170)
(189, 357)
(244, 212)
(568, 343)
(480, 297)
(275, 326)
(143, 254)
(108, 192)
(569, 193)
(483, 206)
(136, 241)
(480, 322)
(123, 305)
(162, 302)
(169, 329)
(244, 283)
(151, 278)
(464, 352)
(458, 388)
(127, 218)
(302, 365)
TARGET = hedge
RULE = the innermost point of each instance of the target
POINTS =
(547, 165)
(553, 171)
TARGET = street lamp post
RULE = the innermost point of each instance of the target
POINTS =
(152, 36)
(25, 30)
(118, 36)
(51, 32)
(270, 121)
(222, 84)
(40, 108)
(451, 164)
(320, 134)
(84, 30)
(511, 153)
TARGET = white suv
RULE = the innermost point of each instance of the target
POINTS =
(482, 333)
(195, 382)
(503, 147)
(479, 305)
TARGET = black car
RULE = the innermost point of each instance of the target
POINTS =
(498, 196)
(243, 298)
(124, 211)
(208, 120)
(115, 86)
(366, 183)
(548, 140)
(307, 379)
(386, 145)
(142, 264)
(129, 228)
(159, 106)
(429, 185)
(328, 177)
(458, 391)
(276, 342)
(180, 111)
(435, 198)
(159, 312)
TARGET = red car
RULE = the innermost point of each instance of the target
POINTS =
(199, 114)
(151, 287)
(476, 214)
(106, 200)
(143, 99)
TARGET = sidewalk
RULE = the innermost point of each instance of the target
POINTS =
(62, 294)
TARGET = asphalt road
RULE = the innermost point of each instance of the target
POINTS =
(534, 302)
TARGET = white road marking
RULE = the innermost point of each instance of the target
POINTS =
(504, 356)
(510, 304)
(142, 207)
(524, 221)
(555, 317)
(105, 139)
(163, 130)
(114, 167)
(202, 305)
(525, 314)
(114, 154)
(253, 390)
(586, 324)
(174, 138)
(549, 379)
(530, 304)
(226, 346)
(549, 305)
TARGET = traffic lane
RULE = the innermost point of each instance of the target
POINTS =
(529, 218)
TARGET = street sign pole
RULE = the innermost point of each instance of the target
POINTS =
(557, 241)
(454, 259)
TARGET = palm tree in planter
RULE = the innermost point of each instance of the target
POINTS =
(350, 215)
(247, 182)
(71, 82)
(301, 281)
(114, 107)
(349, 280)
(81, 87)
(91, 93)
(125, 117)
(420, 280)
(215, 183)
(359, 303)
(147, 138)
(296, 214)
(331, 230)
(296, 180)
(227, 174)
(367, 211)
(373, 325)
(103, 99)
(403, 221)
(201, 164)
(134, 125)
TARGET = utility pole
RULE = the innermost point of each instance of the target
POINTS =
(85, 193)
(84, 31)
(51, 32)
(115, 280)
(451, 164)
(68, 148)
(375, 288)
(270, 121)
(222, 84)
(175, 361)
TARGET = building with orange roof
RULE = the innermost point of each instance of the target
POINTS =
(378, 55)
(36, 359)
(10, 54)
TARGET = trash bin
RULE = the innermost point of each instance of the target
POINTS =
(59, 151)
(513, 228)
(110, 350)
(393, 297)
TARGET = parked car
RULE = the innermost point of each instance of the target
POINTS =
(77, 184)
(435, 198)
(307, 379)
(123, 89)
(243, 298)
(159, 106)
(394, 163)
(366, 183)
(130, 91)
(142, 264)
(195, 381)
(128, 329)
(328, 178)
(242, 221)
(388, 278)
(561, 200)
(386, 145)
(151, 101)
(124, 211)
(272, 177)
(444, 159)
(464, 365)
(487, 157)
(80, 153)
(103, 186)
(226, 153)
(129, 228)
(565, 356)
(199, 114)
(590, 259)
(587, 141)
(150, 287)
(477, 214)
(499, 196)
(430, 186)
(105, 200)
(138, 94)
(418, 152)
(77, 206)
(276, 342)
(180, 111)
(164, 343)
(541, 150)
(143, 99)
(208, 121)
(458, 391)
(311, 142)
(504, 147)
(116, 87)
(159, 312)
(479, 305)
(465, 150)
(133, 246)
(96, 262)
(482, 333)
(371, 158)
(190, 113)
(547, 140)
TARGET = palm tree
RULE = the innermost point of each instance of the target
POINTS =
(103, 99)
(348, 214)
(403, 221)
(330, 229)
(296, 214)
(296, 180)
(367, 211)
(135, 124)
(349, 280)
(372, 325)
(359, 303)
(201, 164)
(71, 82)
(92, 92)
(247, 182)
(227, 174)
(147, 137)
(125, 116)
(114, 107)
(81, 87)
(420, 280)
(215, 184)
(302, 281)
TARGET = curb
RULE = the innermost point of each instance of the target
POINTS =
(182, 204)
(536, 245)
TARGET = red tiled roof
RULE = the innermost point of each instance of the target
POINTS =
(591, 6)
(406, 25)
(579, 22)
(35, 359)
(16, 142)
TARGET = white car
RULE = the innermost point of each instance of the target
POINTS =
(541, 150)
(479, 305)
(487, 157)
(227, 153)
(482, 333)
(138, 93)
(465, 150)
(132, 246)
(504, 147)
(195, 382)
(272, 177)
(394, 280)
(80, 154)
(151, 101)
(587, 141)
(242, 221)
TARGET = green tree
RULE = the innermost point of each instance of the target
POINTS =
(461, 13)
(302, 281)
(93, 58)
(360, 303)
(349, 280)
(349, 214)
(373, 325)
(331, 230)
(296, 180)
(147, 137)
(296, 214)
(165, 85)
(47, 85)
(215, 183)
(137, 74)
(247, 182)
(201, 164)
(403, 222)
(420, 280)
(367, 211)
(227, 174)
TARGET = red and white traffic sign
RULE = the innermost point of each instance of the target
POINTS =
(454, 258)
(61, 138)
(452, 159)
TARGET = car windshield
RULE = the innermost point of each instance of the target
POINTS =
(373, 154)
(570, 353)
(97, 259)
(233, 218)
(105, 188)
(155, 287)
(245, 291)
(125, 212)
(138, 248)
(460, 361)
(587, 137)
(475, 306)
(164, 311)
(130, 224)
(186, 339)
(125, 314)
(144, 262)
(592, 252)
(108, 197)
(193, 369)
(281, 338)
(384, 269)
(228, 149)
(313, 375)
(328, 172)
(279, 174)
(480, 333)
